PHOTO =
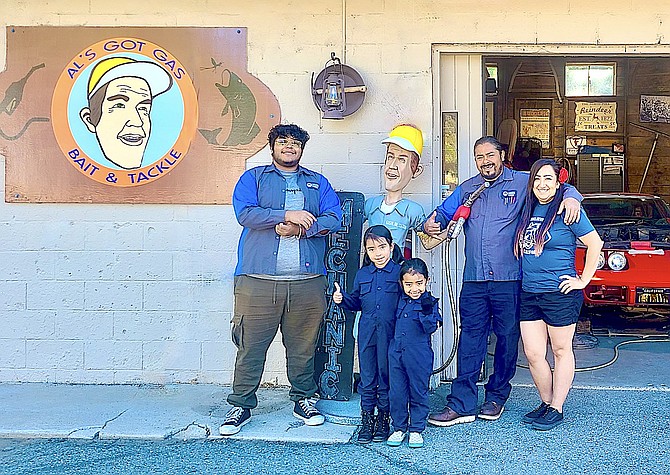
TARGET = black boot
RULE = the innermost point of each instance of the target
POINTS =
(382, 429)
(367, 427)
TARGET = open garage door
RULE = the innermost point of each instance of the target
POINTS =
(602, 111)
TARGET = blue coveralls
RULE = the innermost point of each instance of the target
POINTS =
(491, 285)
(375, 295)
(411, 361)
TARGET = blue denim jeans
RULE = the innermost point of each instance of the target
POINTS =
(483, 303)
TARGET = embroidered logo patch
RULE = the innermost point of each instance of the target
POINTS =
(509, 197)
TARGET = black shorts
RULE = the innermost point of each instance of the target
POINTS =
(554, 308)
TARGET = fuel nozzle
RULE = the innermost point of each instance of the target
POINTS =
(463, 211)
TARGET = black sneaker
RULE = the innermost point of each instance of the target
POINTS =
(547, 421)
(234, 421)
(307, 412)
(535, 413)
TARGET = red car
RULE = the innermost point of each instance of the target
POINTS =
(634, 265)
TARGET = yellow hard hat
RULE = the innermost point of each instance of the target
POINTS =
(407, 137)
(108, 69)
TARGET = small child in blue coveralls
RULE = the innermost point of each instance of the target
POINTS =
(411, 354)
(375, 295)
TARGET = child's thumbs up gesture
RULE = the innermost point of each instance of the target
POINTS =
(337, 295)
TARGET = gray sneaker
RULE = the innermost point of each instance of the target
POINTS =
(415, 440)
(235, 419)
(396, 438)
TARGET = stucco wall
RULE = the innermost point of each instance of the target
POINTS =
(143, 293)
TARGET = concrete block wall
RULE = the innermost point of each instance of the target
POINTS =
(116, 294)
(143, 293)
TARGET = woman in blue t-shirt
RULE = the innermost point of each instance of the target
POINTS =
(551, 295)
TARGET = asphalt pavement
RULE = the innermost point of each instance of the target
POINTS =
(605, 432)
(616, 421)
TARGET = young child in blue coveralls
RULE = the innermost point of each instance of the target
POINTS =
(375, 295)
(411, 354)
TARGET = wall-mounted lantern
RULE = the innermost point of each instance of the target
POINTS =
(338, 90)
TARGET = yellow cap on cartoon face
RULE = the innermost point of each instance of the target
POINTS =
(407, 137)
(108, 69)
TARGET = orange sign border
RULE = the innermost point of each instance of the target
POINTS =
(91, 168)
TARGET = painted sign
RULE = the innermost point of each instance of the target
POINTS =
(595, 117)
(535, 124)
(129, 115)
(573, 142)
(334, 357)
(124, 111)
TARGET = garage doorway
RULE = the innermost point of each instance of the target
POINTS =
(599, 110)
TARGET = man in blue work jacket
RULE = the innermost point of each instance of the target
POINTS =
(491, 281)
(286, 211)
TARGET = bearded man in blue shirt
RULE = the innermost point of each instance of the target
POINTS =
(286, 211)
(491, 281)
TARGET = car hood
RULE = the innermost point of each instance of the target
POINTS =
(620, 235)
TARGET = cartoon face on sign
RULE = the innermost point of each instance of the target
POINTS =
(120, 95)
(124, 112)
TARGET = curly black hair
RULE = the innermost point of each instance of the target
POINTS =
(287, 130)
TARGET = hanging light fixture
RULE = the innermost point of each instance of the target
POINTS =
(338, 90)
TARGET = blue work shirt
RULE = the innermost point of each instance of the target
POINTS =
(405, 215)
(258, 201)
(375, 294)
(491, 228)
(413, 324)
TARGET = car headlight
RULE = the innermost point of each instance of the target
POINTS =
(616, 261)
(601, 261)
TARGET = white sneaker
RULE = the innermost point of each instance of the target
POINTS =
(396, 438)
(415, 440)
